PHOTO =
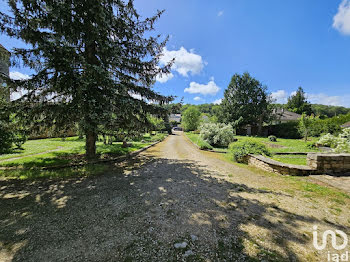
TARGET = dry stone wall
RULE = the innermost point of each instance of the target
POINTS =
(317, 163)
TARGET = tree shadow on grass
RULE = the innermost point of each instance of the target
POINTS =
(139, 210)
(74, 156)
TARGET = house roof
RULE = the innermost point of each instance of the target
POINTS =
(285, 115)
(346, 125)
(175, 117)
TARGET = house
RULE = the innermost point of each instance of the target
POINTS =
(346, 125)
(175, 118)
(282, 116)
(4, 69)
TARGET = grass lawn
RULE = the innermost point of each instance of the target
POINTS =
(195, 138)
(56, 152)
(284, 145)
(291, 159)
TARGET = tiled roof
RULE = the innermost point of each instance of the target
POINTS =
(285, 115)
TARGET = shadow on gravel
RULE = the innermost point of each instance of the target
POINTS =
(138, 214)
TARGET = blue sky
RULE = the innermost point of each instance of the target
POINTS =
(284, 44)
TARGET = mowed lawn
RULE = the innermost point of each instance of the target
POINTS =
(55, 152)
(281, 146)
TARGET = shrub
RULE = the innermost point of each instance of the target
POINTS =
(272, 138)
(286, 130)
(19, 139)
(343, 146)
(340, 143)
(239, 150)
(219, 135)
(328, 140)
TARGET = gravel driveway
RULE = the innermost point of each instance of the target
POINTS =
(171, 203)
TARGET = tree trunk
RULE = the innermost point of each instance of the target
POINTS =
(90, 145)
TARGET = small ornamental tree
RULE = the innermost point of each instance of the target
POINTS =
(93, 63)
(191, 118)
(305, 125)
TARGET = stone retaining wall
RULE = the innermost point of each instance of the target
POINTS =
(329, 163)
(317, 163)
(271, 165)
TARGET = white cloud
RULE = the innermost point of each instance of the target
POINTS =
(341, 21)
(217, 101)
(280, 96)
(209, 89)
(197, 98)
(220, 13)
(164, 78)
(185, 62)
(18, 76)
(328, 100)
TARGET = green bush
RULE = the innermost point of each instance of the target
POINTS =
(239, 150)
(286, 130)
(272, 138)
(219, 135)
(328, 140)
(340, 143)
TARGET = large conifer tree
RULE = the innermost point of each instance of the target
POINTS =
(91, 59)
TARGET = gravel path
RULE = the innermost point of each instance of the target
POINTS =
(171, 203)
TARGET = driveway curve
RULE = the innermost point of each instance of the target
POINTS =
(171, 203)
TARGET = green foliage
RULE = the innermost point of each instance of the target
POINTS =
(340, 143)
(328, 125)
(204, 145)
(317, 127)
(298, 103)
(246, 101)
(328, 140)
(5, 137)
(286, 130)
(311, 145)
(272, 138)
(97, 71)
(218, 135)
(305, 125)
(239, 150)
(329, 111)
(191, 118)
(156, 123)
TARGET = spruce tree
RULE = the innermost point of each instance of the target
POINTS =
(91, 59)
(298, 103)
